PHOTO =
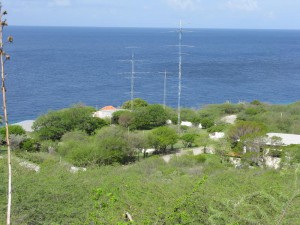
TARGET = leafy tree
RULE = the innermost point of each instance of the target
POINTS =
(137, 141)
(53, 125)
(126, 119)
(188, 139)
(149, 117)
(113, 146)
(162, 137)
(243, 128)
(229, 108)
(116, 115)
(207, 122)
(13, 129)
(137, 103)
(91, 124)
(16, 140)
(189, 115)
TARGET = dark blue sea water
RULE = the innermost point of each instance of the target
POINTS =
(53, 68)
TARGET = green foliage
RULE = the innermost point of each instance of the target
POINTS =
(291, 155)
(13, 129)
(55, 124)
(16, 140)
(278, 118)
(30, 145)
(218, 128)
(207, 122)
(189, 115)
(149, 117)
(116, 115)
(110, 145)
(162, 137)
(126, 119)
(229, 108)
(256, 102)
(188, 139)
(137, 103)
(184, 191)
(242, 128)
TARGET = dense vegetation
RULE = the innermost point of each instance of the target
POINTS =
(121, 177)
(187, 190)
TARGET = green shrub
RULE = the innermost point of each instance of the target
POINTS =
(188, 139)
(30, 145)
(136, 103)
(162, 137)
(13, 129)
(55, 124)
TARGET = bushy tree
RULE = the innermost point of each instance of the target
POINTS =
(207, 122)
(13, 129)
(189, 115)
(137, 103)
(126, 119)
(113, 145)
(137, 141)
(188, 139)
(150, 117)
(116, 115)
(162, 137)
(30, 145)
(242, 128)
(54, 124)
(16, 140)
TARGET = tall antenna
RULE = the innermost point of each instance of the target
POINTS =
(180, 31)
(165, 87)
(132, 76)
(132, 81)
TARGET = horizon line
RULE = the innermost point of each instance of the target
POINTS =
(150, 27)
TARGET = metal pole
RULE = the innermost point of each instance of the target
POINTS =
(165, 88)
(179, 74)
(132, 81)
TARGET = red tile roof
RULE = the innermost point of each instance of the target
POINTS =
(108, 108)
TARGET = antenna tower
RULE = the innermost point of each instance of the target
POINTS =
(165, 87)
(132, 76)
(180, 34)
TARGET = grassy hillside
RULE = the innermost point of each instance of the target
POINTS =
(187, 190)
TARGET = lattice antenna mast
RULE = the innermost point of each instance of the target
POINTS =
(180, 45)
(132, 81)
(132, 76)
(180, 31)
(165, 87)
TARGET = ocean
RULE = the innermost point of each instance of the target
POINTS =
(55, 67)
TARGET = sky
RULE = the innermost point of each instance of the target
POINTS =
(245, 14)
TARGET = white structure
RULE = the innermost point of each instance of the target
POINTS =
(286, 139)
(217, 135)
(106, 112)
(186, 123)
